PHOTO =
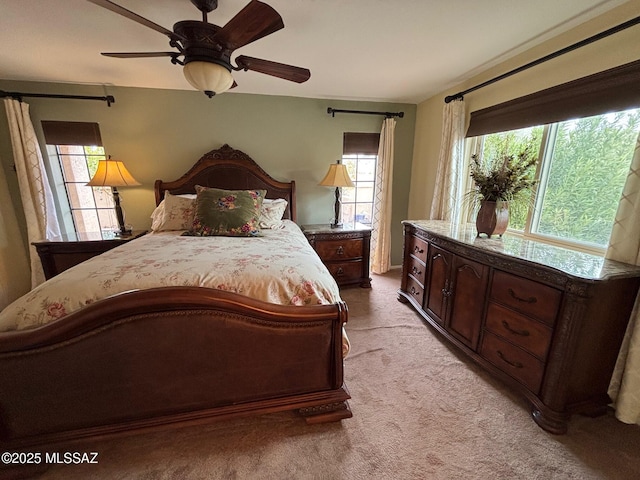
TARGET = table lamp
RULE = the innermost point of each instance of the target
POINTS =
(113, 173)
(337, 176)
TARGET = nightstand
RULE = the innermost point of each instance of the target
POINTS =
(60, 253)
(344, 250)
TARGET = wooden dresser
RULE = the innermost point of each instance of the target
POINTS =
(547, 321)
(344, 250)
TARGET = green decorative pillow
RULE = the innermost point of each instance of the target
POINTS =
(227, 212)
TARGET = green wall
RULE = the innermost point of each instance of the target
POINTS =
(159, 134)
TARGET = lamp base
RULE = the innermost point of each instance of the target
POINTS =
(337, 210)
(123, 231)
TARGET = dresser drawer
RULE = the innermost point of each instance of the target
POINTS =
(529, 334)
(345, 271)
(415, 289)
(513, 361)
(418, 248)
(339, 249)
(416, 269)
(526, 296)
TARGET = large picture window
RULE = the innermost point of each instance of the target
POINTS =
(584, 132)
(583, 164)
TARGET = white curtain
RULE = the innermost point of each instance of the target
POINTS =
(624, 246)
(35, 192)
(448, 194)
(14, 261)
(381, 225)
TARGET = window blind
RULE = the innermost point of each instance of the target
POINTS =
(612, 90)
(71, 133)
(354, 143)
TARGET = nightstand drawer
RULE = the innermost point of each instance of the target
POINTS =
(345, 271)
(529, 334)
(513, 361)
(526, 296)
(339, 249)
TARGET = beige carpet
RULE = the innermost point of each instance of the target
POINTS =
(421, 411)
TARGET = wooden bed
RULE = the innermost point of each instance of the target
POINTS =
(131, 361)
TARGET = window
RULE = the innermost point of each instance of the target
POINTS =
(582, 170)
(360, 155)
(74, 149)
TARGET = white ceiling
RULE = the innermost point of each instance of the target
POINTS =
(379, 50)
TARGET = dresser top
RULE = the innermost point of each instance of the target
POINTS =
(571, 262)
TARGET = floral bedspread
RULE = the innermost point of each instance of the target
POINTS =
(279, 267)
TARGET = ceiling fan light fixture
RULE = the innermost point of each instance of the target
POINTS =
(208, 77)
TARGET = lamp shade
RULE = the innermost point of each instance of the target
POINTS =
(112, 173)
(208, 77)
(337, 176)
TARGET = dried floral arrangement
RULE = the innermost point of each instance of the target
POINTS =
(503, 178)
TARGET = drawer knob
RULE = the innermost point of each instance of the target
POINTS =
(522, 333)
(339, 271)
(415, 271)
(340, 250)
(520, 299)
(417, 249)
(504, 359)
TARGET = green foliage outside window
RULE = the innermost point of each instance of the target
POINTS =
(584, 162)
(513, 143)
(590, 164)
(94, 155)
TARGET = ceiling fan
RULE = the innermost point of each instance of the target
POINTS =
(206, 48)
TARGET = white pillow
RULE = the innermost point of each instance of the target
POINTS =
(271, 213)
(175, 212)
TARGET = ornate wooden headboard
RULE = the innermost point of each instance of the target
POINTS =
(232, 170)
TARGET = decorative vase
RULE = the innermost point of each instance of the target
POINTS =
(493, 218)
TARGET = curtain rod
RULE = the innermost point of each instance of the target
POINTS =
(18, 96)
(582, 43)
(333, 112)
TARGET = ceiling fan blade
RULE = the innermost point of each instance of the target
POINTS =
(136, 18)
(254, 21)
(141, 54)
(280, 70)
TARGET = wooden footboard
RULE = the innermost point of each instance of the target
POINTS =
(180, 354)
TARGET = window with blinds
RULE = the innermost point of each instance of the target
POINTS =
(584, 133)
(74, 149)
(359, 155)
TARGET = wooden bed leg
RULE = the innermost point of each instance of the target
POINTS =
(331, 412)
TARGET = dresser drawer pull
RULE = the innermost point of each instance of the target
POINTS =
(415, 291)
(522, 333)
(415, 271)
(340, 250)
(417, 249)
(339, 271)
(513, 364)
(520, 299)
